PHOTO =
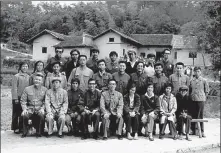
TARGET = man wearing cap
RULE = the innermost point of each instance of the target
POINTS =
(182, 113)
(102, 76)
(199, 90)
(149, 67)
(112, 66)
(131, 66)
(56, 73)
(32, 102)
(56, 104)
(73, 63)
(92, 62)
(168, 65)
(57, 58)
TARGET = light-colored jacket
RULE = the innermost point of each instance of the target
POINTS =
(19, 82)
(168, 105)
(50, 76)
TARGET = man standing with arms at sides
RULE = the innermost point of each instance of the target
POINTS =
(92, 62)
(179, 79)
(57, 58)
(73, 63)
(102, 76)
(199, 90)
(32, 102)
(149, 67)
(111, 105)
(112, 66)
(56, 104)
(90, 109)
(131, 66)
(168, 65)
(121, 78)
(83, 73)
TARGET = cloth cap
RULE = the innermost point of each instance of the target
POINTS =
(183, 87)
(56, 79)
(39, 74)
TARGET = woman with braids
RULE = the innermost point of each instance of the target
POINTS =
(38, 68)
(19, 82)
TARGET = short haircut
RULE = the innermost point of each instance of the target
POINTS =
(158, 64)
(82, 56)
(132, 50)
(94, 50)
(179, 63)
(131, 85)
(56, 63)
(91, 79)
(139, 63)
(21, 64)
(122, 62)
(112, 80)
(59, 48)
(149, 84)
(75, 50)
(101, 60)
(151, 55)
(39, 75)
(75, 80)
(113, 53)
(197, 68)
(168, 85)
(35, 66)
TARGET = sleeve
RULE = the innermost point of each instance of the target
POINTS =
(126, 108)
(206, 87)
(65, 82)
(174, 106)
(24, 99)
(137, 103)
(162, 111)
(31, 82)
(142, 111)
(71, 76)
(14, 88)
(81, 102)
(47, 82)
(43, 102)
(120, 105)
(64, 107)
(157, 109)
(98, 100)
(47, 102)
(102, 104)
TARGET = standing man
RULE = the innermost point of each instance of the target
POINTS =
(83, 73)
(32, 103)
(90, 109)
(111, 105)
(112, 66)
(102, 76)
(199, 90)
(92, 62)
(149, 67)
(122, 78)
(131, 66)
(57, 58)
(179, 79)
(168, 65)
(73, 63)
(56, 104)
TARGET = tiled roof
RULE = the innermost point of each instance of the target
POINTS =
(182, 41)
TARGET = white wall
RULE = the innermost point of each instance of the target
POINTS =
(46, 40)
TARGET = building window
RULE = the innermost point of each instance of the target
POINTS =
(123, 51)
(192, 54)
(44, 49)
(111, 39)
(175, 55)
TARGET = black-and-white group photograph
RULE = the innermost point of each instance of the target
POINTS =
(110, 76)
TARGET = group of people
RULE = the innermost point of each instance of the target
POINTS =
(82, 92)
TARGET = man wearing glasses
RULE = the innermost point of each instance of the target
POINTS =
(56, 58)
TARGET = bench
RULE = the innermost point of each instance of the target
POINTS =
(198, 125)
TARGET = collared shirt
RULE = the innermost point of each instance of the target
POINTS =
(73, 100)
(122, 81)
(178, 81)
(91, 100)
(53, 60)
(19, 82)
(102, 80)
(131, 68)
(131, 101)
(131, 104)
(92, 64)
(168, 67)
(168, 104)
(56, 101)
(159, 82)
(149, 104)
(33, 98)
(149, 70)
(199, 88)
(50, 76)
(112, 67)
(31, 79)
(83, 75)
(111, 103)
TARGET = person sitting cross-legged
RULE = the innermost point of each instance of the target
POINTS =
(131, 111)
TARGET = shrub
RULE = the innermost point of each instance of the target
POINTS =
(14, 62)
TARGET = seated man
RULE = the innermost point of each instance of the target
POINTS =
(150, 109)
(56, 104)
(73, 115)
(90, 109)
(182, 113)
(111, 105)
(32, 102)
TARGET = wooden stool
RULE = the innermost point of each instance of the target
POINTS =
(198, 125)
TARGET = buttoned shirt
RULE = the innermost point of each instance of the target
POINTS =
(50, 76)
(122, 82)
(73, 100)
(92, 64)
(199, 88)
(112, 67)
(111, 103)
(53, 60)
(159, 82)
(178, 81)
(19, 82)
(102, 80)
(56, 101)
(31, 79)
(168, 104)
(33, 98)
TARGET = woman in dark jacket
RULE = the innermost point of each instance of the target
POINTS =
(131, 111)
